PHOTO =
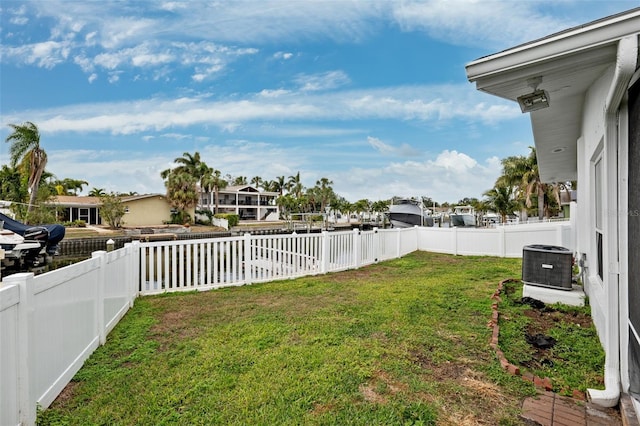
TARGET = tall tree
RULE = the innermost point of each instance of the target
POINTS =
(240, 181)
(270, 185)
(522, 173)
(294, 185)
(25, 149)
(68, 186)
(181, 193)
(97, 192)
(281, 184)
(325, 192)
(500, 199)
(213, 180)
(256, 181)
(11, 188)
(191, 165)
(533, 184)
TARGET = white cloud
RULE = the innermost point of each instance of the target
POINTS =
(449, 177)
(322, 81)
(403, 150)
(472, 22)
(153, 34)
(415, 103)
(283, 55)
(273, 93)
(19, 20)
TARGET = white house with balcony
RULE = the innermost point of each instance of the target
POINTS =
(244, 200)
(581, 88)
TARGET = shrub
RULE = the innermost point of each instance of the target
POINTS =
(232, 218)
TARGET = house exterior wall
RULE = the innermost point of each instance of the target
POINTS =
(590, 146)
(606, 137)
(148, 211)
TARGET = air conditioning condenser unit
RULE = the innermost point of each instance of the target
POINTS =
(547, 266)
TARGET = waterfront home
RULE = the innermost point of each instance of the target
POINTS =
(140, 210)
(244, 200)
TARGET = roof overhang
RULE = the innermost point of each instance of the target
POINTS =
(564, 65)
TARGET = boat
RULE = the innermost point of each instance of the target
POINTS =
(463, 216)
(491, 219)
(405, 213)
(28, 246)
(18, 253)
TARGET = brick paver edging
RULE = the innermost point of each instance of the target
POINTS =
(544, 383)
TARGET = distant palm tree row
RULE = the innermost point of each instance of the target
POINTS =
(26, 182)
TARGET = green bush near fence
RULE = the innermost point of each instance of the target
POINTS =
(232, 218)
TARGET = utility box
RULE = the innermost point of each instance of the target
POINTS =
(547, 266)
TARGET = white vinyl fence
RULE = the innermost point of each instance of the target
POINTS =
(168, 266)
(51, 323)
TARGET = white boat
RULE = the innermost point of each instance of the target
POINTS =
(463, 216)
(406, 213)
(27, 246)
(491, 219)
(17, 251)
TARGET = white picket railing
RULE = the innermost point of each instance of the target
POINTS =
(168, 266)
(50, 323)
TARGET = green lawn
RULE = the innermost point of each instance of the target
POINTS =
(398, 343)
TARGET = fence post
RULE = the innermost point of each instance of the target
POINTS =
(324, 255)
(398, 243)
(502, 249)
(26, 401)
(376, 245)
(357, 238)
(99, 321)
(248, 257)
(132, 275)
(455, 240)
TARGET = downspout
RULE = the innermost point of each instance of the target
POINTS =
(625, 68)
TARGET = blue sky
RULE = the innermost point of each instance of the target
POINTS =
(369, 94)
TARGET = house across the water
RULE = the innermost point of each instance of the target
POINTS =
(140, 210)
(244, 200)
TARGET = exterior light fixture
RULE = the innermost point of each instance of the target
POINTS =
(536, 100)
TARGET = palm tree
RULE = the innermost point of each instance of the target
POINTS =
(522, 174)
(240, 181)
(189, 164)
(97, 192)
(182, 192)
(281, 183)
(213, 180)
(294, 185)
(533, 184)
(325, 192)
(500, 199)
(25, 149)
(256, 181)
(68, 186)
(270, 185)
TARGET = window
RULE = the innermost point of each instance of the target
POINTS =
(599, 215)
(83, 214)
